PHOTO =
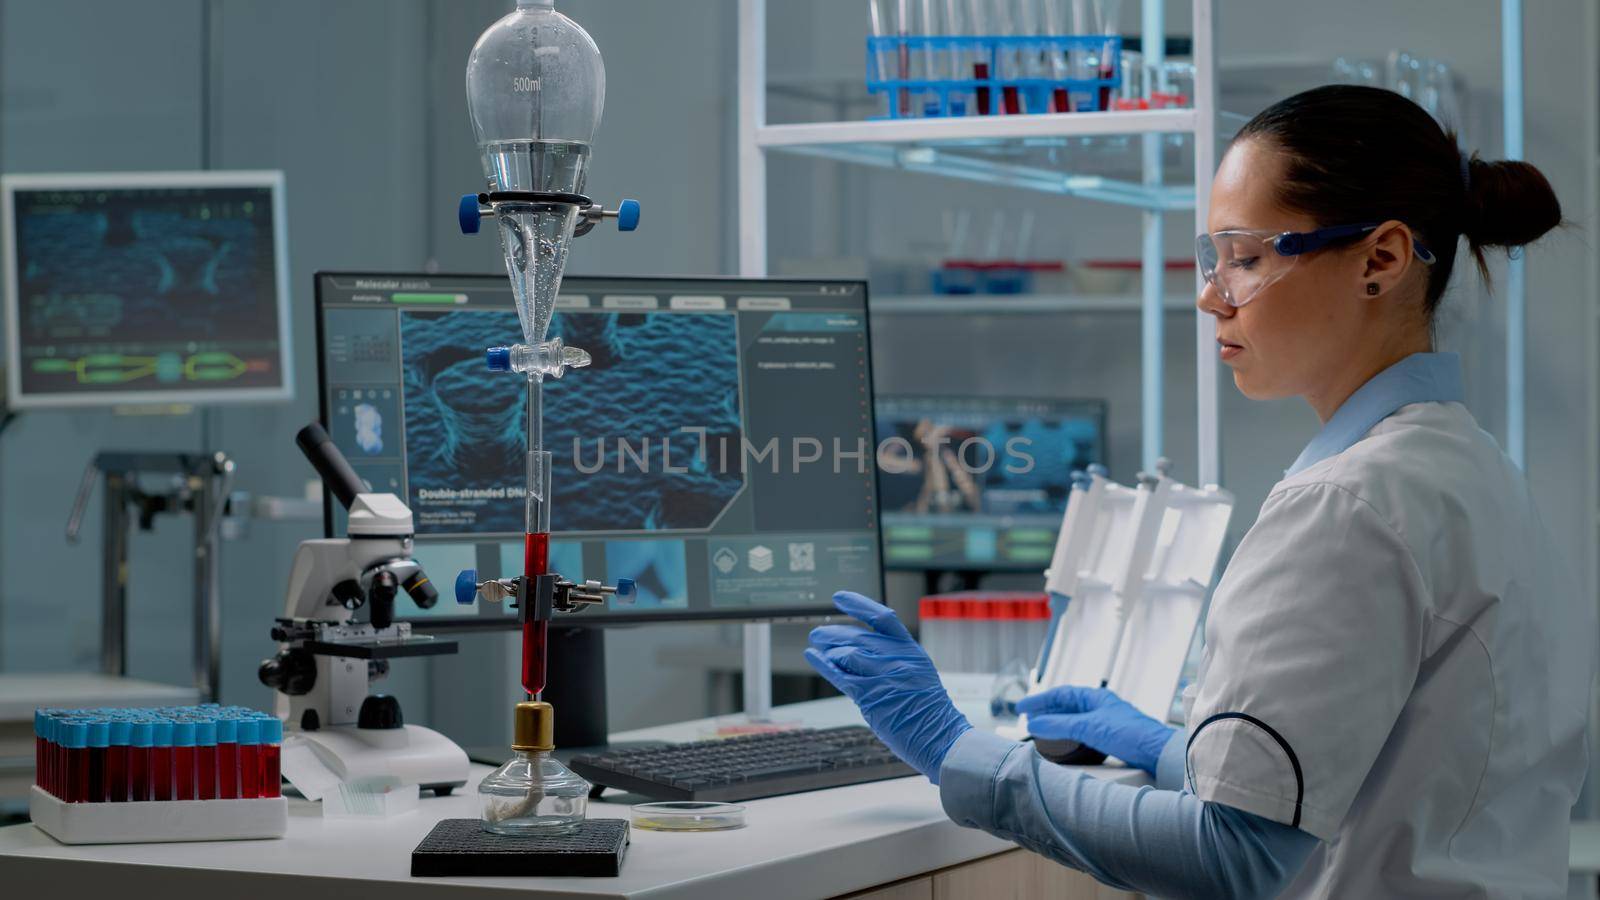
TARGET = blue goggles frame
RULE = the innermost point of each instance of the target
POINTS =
(1295, 243)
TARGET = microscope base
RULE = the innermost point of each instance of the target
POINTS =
(411, 753)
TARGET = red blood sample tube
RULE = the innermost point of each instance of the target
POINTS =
(58, 769)
(77, 762)
(535, 632)
(1062, 100)
(99, 742)
(183, 762)
(1013, 102)
(249, 759)
(205, 753)
(54, 754)
(271, 734)
(40, 775)
(227, 758)
(117, 761)
(139, 739)
(980, 72)
(161, 761)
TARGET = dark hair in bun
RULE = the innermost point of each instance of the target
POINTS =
(1364, 154)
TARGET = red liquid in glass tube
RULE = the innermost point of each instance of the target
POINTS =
(535, 562)
(980, 72)
(161, 773)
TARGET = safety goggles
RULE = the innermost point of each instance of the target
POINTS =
(1241, 264)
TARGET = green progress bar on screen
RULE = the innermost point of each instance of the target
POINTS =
(439, 299)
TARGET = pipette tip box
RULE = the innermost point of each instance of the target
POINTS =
(158, 821)
(458, 847)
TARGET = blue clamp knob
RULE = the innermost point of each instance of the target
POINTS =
(499, 359)
(628, 215)
(467, 587)
(624, 587)
(468, 215)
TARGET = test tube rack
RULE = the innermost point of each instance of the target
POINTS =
(1003, 82)
(195, 773)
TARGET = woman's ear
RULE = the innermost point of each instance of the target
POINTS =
(1387, 259)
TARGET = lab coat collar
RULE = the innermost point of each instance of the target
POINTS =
(1419, 378)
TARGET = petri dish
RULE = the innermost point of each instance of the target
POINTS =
(688, 815)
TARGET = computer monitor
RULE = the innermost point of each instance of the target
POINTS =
(718, 450)
(980, 483)
(145, 288)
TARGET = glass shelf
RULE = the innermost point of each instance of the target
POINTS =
(1095, 156)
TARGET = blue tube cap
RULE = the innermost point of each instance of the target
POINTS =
(121, 730)
(271, 731)
(249, 731)
(628, 215)
(183, 734)
(467, 586)
(499, 359)
(142, 734)
(75, 735)
(161, 734)
(99, 733)
(467, 214)
(205, 733)
(227, 731)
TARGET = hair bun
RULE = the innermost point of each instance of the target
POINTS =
(1509, 203)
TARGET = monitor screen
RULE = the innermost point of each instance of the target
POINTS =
(717, 450)
(980, 483)
(145, 288)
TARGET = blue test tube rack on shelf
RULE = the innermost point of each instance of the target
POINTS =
(1006, 72)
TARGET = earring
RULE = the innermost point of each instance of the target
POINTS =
(1372, 289)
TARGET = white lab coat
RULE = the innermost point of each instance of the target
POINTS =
(1397, 663)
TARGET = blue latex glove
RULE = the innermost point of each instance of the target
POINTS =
(891, 679)
(1100, 719)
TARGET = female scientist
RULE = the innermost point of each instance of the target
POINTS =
(1394, 693)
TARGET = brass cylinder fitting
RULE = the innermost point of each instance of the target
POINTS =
(535, 726)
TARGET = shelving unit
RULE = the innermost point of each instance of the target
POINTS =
(1085, 155)
(1013, 304)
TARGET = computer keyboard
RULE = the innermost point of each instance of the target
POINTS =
(747, 767)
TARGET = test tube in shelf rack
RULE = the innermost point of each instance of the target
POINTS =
(204, 772)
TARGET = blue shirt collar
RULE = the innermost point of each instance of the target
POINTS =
(1419, 378)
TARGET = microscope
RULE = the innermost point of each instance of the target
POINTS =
(327, 659)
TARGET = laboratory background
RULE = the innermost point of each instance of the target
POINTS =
(986, 265)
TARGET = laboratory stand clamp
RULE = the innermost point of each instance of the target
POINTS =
(535, 91)
(199, 484)
(327, 659)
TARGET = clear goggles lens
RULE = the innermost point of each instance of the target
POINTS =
(1240, 264)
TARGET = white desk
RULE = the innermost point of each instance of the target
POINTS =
(818, 844)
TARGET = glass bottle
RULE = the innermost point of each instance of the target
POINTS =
(533, 793)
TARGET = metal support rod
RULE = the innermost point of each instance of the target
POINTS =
(1516, 271)
(114, 577)
(204, 488)
(753, 264)
(1152, 318)
(1207, 415)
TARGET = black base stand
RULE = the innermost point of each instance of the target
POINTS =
(458, 847)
